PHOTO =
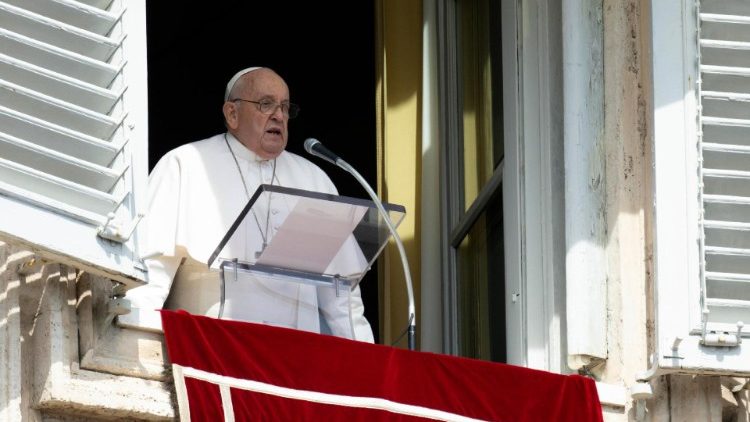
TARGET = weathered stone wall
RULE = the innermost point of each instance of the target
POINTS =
(61, 358)
(628, 134)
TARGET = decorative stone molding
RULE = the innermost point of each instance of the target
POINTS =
(61, 358)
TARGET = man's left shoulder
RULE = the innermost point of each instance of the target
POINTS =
(300, 162)
(307, 174)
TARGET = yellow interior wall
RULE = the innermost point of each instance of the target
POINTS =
(399, 49)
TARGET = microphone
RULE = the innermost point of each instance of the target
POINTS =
(316, 148)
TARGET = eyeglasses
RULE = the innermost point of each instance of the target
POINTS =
(290, 110)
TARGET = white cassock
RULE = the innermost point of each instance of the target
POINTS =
(195, 194)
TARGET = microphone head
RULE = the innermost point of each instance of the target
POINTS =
(310, 143)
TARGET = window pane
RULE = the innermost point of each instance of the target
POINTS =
(481, 287)
(481, 89)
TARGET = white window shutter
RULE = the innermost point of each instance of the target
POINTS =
(702, 186)
(725, 146)
(73, 130)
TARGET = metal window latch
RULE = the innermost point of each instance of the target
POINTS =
(118, 232)
(724, 338)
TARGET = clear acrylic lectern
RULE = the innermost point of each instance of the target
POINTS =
(289, 249)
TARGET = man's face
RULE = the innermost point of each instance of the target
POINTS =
(264, 134)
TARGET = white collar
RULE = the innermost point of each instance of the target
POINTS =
(241, 151)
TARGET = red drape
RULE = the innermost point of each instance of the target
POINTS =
(348, 371)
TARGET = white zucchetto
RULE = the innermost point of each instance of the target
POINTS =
(236, 77)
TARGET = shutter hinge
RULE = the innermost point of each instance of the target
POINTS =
(118, 232)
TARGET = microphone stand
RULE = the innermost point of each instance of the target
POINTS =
(412, 330)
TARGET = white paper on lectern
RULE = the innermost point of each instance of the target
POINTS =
(312, 235)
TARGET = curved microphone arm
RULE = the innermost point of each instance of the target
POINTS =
(410, 291)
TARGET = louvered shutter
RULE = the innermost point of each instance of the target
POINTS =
(724, 116)
(73, 128)
(701, 86)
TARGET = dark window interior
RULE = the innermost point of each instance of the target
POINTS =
(194, 48)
